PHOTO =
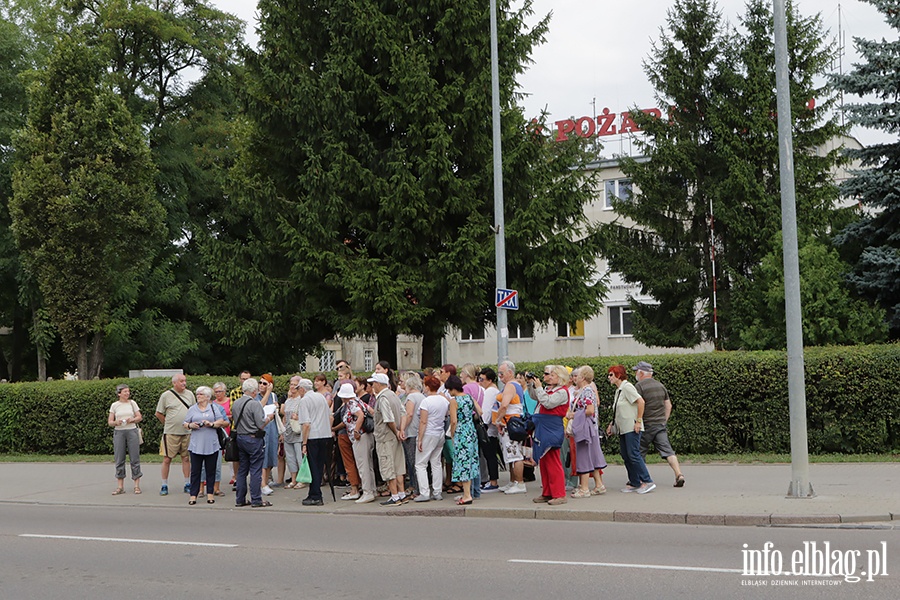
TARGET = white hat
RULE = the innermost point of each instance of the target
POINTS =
(346, 391)
(379, 378)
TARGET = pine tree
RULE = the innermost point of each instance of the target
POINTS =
(710, 186)
(872, 244)
(370, 171)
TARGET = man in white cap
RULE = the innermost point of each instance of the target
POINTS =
(388, 438)
(657, 408)
(315, 420)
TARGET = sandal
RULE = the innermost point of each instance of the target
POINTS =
(679, 481)
(137, 490)
(598, 491)
(290, 486)
(454, 489)
(192, 502)
(219, 493)
(210, 501)
(462, 502)
(580, 493)
(118, 491)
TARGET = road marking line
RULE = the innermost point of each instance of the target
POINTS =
(126, 540)
(625, 566)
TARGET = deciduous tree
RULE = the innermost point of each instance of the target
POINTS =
(84, 211)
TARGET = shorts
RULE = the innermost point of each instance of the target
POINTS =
(512, 451)
(658, 435)
(173, 445)
(391, 460)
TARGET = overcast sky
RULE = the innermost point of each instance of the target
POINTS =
(595, 49)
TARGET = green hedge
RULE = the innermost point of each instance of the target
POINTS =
(69, 417)
(738, 401)
(723, 402)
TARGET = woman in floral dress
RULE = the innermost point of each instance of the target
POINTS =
(465, 441)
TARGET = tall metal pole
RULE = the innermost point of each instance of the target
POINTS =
(499, 224)
(800, 486)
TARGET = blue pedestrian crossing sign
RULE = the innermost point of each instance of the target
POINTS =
(508, 299)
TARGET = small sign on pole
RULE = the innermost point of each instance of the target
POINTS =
(508, 299)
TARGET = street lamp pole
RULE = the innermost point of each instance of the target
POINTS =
(499, 225)
(800, 486)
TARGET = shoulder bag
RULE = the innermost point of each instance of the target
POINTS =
(231, 444)
(140, 431)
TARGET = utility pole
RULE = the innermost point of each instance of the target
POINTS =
(499, 219)
(800, 486)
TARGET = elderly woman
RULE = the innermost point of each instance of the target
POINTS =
(628, 410)
(430, 439)
(553, 403)
(223, 401)
(202, 420)
(293, 440)
(124, 415)
(463, 409)
(363, 443)
(267, 397)
(410, 424)
(342, 430)
(588, 457)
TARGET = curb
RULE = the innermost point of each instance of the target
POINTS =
(538, 513)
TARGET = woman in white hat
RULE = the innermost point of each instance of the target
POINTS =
(362, 442)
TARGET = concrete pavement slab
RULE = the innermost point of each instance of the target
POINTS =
(714, 494)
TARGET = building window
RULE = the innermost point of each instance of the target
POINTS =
(369, 360)
(619, 320)
(327, 360)
(570, 330)
(620, 189)
(521, 331)
(301, 368)
(472, 335)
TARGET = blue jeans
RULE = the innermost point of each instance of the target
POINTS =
(250, 454)
(630, 449)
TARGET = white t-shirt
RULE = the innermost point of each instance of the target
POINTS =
(489, 404)
(437, 408)
(124, 410)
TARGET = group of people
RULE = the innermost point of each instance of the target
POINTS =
(419, 435)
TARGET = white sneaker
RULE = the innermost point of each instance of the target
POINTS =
(503, 488)
(366, 498)
(267, 491)
(350, 496)
(646, 487)
(517, 488)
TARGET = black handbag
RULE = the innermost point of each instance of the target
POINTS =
(368, 423)
(480, 430)
(223, 437)
(516, 429)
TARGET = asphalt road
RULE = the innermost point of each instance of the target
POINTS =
(51, 552)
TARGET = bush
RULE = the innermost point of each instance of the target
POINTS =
(723, 402)
(738, 401)
(69, 417)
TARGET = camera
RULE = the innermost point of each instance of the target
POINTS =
(530, 375)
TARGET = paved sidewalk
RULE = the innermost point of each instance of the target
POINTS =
(713, 495)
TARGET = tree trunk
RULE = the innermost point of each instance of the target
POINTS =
(429, 339)
(96, 358)
(387, 344)
(81, 358)
(41, 365)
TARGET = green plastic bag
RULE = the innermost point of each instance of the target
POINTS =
(304, 476)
